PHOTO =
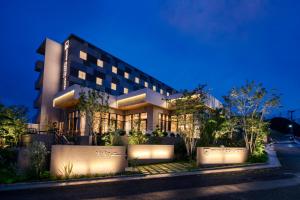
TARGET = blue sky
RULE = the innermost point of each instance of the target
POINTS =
(221, 43)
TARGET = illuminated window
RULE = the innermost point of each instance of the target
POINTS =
(161, 91)
(99, 81)
(168, 94)
(154, 88)
(99, 63)
(126, 75)
(137, 80)
(125, 90)
(81, 75)
(113, 86)
(146, 84)
(83, 55)
(114, 69)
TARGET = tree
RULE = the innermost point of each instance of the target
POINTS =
(248, 105)
(12, 123)
(192, 114)
(213, 127)
(93, 105)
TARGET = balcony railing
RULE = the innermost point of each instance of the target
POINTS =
(39, 82)
(39, 65)
(38, 101)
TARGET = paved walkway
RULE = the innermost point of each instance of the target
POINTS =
(165, 168)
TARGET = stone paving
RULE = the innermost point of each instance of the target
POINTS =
(164, 168)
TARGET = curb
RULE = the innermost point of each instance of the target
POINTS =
(273, 162)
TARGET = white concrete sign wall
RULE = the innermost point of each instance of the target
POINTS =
(87, 159)
(151, 153)
(221, 155)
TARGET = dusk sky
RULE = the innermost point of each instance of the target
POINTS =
(221, 43)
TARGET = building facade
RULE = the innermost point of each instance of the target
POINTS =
(76, 66)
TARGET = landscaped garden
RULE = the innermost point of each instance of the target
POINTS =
(240, 122)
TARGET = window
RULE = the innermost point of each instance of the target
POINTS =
(164, 122)
(126, 75)
(82, 55)
(114, 69)
(99, 81)
(99, 63)
(154, 88)
(81, 75)
(161, 91)
(136, 122)
(146, 84)
(137, 80)
(125, 90)
(113, 86)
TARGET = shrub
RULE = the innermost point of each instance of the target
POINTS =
(165, 134)
(257, 157)
(154, 140)
(8, 157)
(157, 132)
(37, 157)
(67, 171)
(180, 150)
(120, 132)
(112, 139)
(137, 137)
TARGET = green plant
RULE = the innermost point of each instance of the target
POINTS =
(93, 105)
(249, 104)
(192, 113)
(258, 157)
(12, 124)
(67, 170)
(137, 137)
(37, 157)
(112, 139)
(157, 132)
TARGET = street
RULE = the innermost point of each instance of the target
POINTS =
(282, 183)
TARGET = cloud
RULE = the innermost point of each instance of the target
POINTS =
(211, 18)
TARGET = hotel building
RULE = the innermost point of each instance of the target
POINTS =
(76, 66)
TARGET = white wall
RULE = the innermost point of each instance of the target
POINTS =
(51, 82)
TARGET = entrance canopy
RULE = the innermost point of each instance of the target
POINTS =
(139, 98)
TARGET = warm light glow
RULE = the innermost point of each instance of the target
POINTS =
(154, 88)
(219, 155)
(99, 63)
(126, 75)
(146, 84)
(137, 80)
(87, 159)
(132, 99)
(81, 75)
(65, 65)
(125, 90)
(99, 81)
(113, 86)
(82, 55)
(151, 152)
(114, 69)
(64, 96)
